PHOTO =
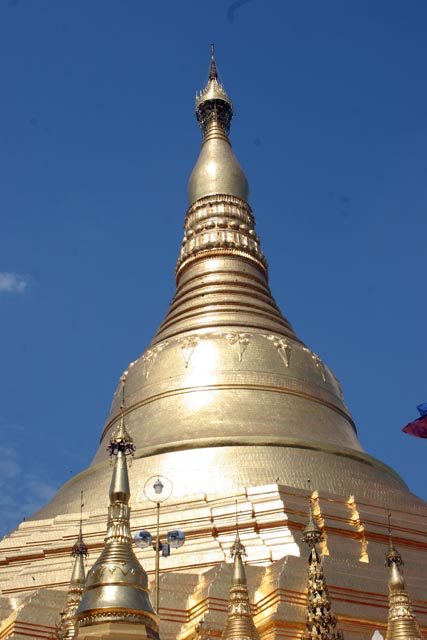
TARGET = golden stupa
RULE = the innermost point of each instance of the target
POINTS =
(229, 404)
(226, 377)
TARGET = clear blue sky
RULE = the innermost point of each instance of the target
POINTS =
(98, 139)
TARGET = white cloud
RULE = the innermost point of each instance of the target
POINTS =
(9, 466)
(12, 282)
(23, 490)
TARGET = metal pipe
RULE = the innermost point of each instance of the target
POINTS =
(157, 569)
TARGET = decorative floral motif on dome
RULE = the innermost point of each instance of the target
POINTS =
(283, 347)
(149, 356)
(241, 340)
(187, 346)
(317, 362)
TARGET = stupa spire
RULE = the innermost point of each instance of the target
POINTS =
(219, 220)
(402, 623)
(320, 621)
(117, 585)
(240, 624)
(66, 629)
(217, 170)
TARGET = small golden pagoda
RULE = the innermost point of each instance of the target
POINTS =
(320, 621)
(240, 624)
(117, 586)
(67, 627)
(402, 623)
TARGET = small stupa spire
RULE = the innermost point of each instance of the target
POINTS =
(402, 622)
(66, 629)
(240, 624)
(117, 585)
(320, 621)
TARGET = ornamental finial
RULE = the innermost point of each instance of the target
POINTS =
(213, 73)
(237, 548)
(393, 557)
(213, 106)
(121, 440)
(79, 547)
(312, 533)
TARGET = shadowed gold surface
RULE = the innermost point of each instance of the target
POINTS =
(66, 629)
(402, 623)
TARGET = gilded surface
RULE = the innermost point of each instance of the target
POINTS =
(229, 404)
(195, 580)
(223, 223)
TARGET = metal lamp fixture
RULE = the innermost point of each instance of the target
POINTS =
(157, 492)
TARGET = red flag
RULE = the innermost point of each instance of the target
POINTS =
(418, 427)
